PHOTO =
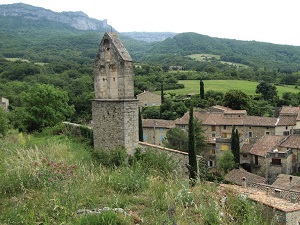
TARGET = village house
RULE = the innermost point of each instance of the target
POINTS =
(4, 102)
(274, 155)
(148, 98)
(154, 130)
(218, 122)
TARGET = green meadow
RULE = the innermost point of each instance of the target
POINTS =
(248, 87)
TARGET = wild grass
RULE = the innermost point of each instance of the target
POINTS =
(248, 87)
(46, 179)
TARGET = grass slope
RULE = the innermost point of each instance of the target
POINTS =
(248, 87)
(46, 179)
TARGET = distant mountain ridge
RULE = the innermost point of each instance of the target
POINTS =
(77, 20)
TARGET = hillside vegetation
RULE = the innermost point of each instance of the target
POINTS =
(49, 179)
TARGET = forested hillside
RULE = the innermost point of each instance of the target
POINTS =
(41, 51)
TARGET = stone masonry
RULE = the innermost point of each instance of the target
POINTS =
(115, 109)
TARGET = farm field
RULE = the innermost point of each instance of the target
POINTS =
(248, 87)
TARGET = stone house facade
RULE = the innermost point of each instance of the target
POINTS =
(218, 121)
(148, 98)
(4, 102)
(154, 130)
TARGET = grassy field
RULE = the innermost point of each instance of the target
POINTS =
(248, 87)
(210, 57)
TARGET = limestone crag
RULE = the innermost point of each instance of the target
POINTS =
(77, 20)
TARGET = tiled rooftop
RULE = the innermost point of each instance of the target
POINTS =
(266, 144)
(283, 182)
(262, 197)
(236, 176)
(292, 141)
(158, 123)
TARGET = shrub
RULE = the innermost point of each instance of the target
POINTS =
(104, 218)
(110, 158)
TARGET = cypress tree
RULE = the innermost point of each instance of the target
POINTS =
(162, 92)
(192, 149)
(237, 151)
(141, 137)
(201, 89)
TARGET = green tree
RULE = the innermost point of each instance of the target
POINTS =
(176, 138)
(236, 99)
(226, 162)
(45, 106)
(162, 95)
(141, 136)
(192, 166)
(235, 146)
(267, 91)
(4, 122)
(201, 89)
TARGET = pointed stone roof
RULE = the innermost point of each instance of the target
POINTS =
(120, 48)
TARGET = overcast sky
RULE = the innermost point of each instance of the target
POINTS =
(274, 21)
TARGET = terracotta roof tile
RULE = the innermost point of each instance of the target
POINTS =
(283, 181)
(287, 120)
(246, 148)
(260, 121)
(158, 123)
(266, 144)
(236, 176)
(289, 110)
(292, 141)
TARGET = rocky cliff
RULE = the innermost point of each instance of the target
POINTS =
(77, 20)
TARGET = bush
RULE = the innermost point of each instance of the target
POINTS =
(104, 218)
(110, 158)
(3, 121)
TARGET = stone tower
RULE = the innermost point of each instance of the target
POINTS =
(115, 110)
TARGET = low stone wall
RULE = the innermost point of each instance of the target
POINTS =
(182, 158)
(288, 195)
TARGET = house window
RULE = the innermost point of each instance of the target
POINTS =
(161, 137)
(267, 127)
(211, 163)
(245, 155)
(250, 134)
(276, 161)
(256, 160)
(267, 133)
(250, 128)
(212, 152)
(286, 128)
(213, 128)
(213, 134)
(161, 129)
(286, 133)
(224, 127)
(224, 147)
(144, 137)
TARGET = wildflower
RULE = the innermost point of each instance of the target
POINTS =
(44, 160)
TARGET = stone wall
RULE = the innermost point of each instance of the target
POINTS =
(182, 158)
(116, 121)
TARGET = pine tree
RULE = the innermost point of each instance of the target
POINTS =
(192, 149)
(201, 89)
(141, 137)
